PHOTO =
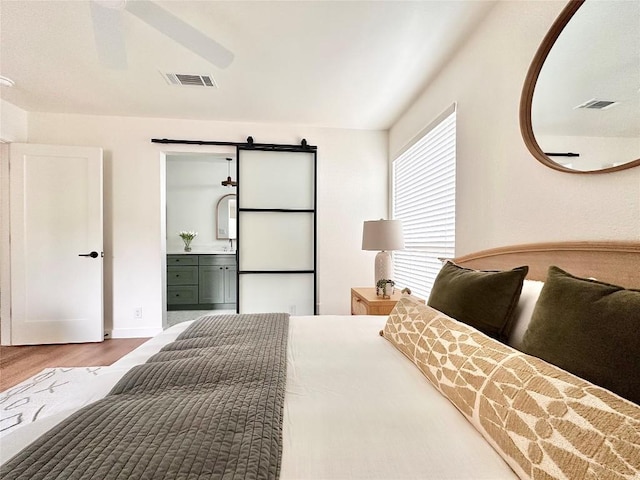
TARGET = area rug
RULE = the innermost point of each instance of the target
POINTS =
(44, 394)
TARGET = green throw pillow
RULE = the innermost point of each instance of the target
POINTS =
(485, 300)
(589, 328)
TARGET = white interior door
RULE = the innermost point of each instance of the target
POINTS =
(56, 244)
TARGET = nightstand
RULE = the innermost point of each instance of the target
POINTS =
(364, 301)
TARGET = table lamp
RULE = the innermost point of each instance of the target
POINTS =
(385, 236)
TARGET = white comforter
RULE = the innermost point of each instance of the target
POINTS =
(355, 408)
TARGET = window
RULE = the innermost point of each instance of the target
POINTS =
(424, 197)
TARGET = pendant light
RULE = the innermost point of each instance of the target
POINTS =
(228, 182)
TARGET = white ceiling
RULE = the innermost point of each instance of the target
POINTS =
(324, 63)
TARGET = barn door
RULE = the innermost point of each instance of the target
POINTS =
(276, 230)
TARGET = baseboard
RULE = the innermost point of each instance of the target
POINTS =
(134, 332)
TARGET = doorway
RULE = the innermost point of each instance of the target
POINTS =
(199, 275)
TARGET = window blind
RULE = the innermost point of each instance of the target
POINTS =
(423, 197)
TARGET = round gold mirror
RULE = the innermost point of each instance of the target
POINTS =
(580, 105)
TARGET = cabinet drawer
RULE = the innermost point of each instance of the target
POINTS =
(182, 260)
(182, 295)
(217, 259)
(182, 275)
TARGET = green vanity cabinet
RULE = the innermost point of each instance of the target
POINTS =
(201, 282)
(230, 284)
(211, 286)
(218, 279)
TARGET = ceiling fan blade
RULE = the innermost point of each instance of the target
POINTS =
(109, 35)
(180, 31)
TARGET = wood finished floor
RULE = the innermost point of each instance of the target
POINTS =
(19, 363)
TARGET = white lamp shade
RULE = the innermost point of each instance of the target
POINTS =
(382, 235)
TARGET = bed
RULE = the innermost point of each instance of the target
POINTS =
(373, 397)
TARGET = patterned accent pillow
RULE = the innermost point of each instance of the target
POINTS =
(545, 422)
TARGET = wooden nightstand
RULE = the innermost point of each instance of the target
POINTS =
(364, 301)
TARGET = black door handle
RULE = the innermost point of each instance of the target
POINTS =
(92, 255)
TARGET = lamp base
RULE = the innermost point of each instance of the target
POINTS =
(384, 267)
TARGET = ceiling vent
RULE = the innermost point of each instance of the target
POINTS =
(595, 104)
(189, 80)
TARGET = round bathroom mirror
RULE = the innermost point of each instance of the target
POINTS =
(580, 105)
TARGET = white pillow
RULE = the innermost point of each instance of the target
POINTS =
(524, 310)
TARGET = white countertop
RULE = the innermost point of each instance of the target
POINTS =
(200, 252)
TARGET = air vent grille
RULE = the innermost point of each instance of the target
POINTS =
(189, 80)
(595, 104)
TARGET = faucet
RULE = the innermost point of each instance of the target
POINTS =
(231, 244)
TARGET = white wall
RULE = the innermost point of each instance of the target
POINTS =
(352, 180)
(13, 123)
(504, 195)
(13, 128)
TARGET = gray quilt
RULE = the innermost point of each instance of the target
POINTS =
(208, 406)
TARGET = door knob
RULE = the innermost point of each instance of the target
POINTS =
(92, 255)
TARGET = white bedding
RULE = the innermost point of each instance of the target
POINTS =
(355, 407)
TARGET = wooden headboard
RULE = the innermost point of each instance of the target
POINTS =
(612, 262)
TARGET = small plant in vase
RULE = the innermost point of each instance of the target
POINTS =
(384, 287)
(187, 238)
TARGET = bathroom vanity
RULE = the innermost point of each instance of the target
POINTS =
(201, 281)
